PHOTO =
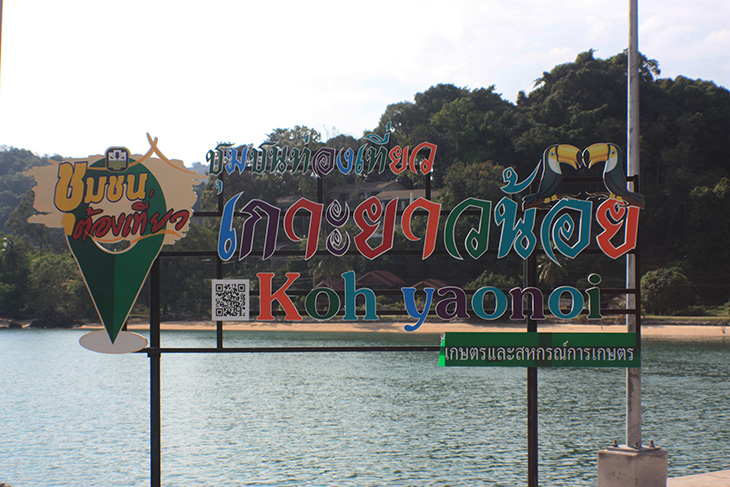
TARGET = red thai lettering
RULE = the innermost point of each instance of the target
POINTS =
(614, 215)
(398, 159)
(434, 211)
(372, 209)
(315, 223)
(427, 163)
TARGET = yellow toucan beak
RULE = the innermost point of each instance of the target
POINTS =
(568, 154)
(596, 154)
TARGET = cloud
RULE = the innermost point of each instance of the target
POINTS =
(86, 73)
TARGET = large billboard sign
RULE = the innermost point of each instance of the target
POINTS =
(569, 225)
(117, 210)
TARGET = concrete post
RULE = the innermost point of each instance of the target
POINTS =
(632, 467)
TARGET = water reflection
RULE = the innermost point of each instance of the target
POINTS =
(73, 417)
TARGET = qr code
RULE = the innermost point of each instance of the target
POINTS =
(230, 299)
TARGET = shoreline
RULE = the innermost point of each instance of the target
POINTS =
(651, 326)
(651, 329)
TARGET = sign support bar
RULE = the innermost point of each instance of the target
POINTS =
(530, 278)
(154, 354)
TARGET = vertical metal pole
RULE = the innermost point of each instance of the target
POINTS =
(219, 266)
(532, 425)
(633, 375)
(154, 355)
(219, 324)
(530, 278)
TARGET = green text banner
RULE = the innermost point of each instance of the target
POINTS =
(539, 349)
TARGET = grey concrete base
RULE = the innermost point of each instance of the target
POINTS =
(631, 467)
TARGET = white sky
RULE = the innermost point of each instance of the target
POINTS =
(79, 76)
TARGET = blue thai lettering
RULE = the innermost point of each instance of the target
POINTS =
(515, 233)
(559, 228)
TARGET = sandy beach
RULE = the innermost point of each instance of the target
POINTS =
(650, 328)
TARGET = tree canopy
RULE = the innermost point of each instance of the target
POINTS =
(685, 179)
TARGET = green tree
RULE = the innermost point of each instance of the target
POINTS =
(708, 231)
(37, 235)
(14, 184)
(472, 180)
(413, 123)
(14, 262)
(489, 278)
(326, 267)
(185, 281)
(478, 126)
(666, 291)
(57, 294)
(550, 273)
(684, 136)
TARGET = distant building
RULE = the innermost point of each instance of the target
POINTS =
(381, 279)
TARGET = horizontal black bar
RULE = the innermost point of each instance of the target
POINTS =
(294, 349)
(189, 253)
(598, 179)
(398, 292)
(614, 311)
(300, 253)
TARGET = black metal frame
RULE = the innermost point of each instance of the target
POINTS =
(155, 350)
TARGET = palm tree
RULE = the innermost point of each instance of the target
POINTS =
(551, 273)
(326, 267)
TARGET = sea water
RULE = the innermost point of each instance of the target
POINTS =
(71, 417)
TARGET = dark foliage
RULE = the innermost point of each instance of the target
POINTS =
(685, 178)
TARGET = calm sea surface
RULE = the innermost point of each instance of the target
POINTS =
(70, 417)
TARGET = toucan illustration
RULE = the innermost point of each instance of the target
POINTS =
(552, 176)
(613, 173)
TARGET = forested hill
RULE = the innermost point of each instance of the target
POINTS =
(685, 162)
(14, 185)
